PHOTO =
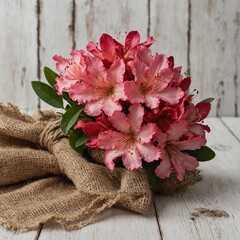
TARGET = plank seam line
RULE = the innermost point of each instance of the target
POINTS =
(225, 124)
(149, 18)
(73, 24)
(158, 223)
(38, 12)
(39, 232)
(189, 37)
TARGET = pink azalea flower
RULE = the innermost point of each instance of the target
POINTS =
(110, 48)
(171, 145)
(93, 129)
(107, 52)
(131, 140)
(152, 83)
(132, 44)
(101, 89)
(71, 70)
(166, 114)
(194, 115)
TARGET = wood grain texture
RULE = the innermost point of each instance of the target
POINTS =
(219, 190)
(95, 17)
(55, 33)
(233, 124)
(11, 235)
(114, 224)
(18, 48)
(214, 53)
(169, 26)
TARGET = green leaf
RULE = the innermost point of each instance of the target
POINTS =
(47, 94)
(150, 170)
(84, 116)
(67, 98)
(73, 138)
(82, 140)
(209, 100)
(70, 117)
(203, 154)
(50, 75)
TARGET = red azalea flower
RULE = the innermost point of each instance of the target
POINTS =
(194, 115)
(171, 145)
(93, 129)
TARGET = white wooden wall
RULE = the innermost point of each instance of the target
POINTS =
(203, 36)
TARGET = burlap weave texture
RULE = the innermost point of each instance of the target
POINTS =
(42, 178)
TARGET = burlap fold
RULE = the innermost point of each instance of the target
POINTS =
(52, 181)
(42, 178)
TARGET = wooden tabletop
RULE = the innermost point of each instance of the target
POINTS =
(208, 210)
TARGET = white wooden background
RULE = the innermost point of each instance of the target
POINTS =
(203, 36)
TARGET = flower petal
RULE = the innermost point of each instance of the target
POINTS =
(132, 40)
(108, 139)
(78, 57)
(185, 84)
(96, 70)
(149, 42)
(182, 162)
(139, 70)
(133, 92)
(204, 109)
(164, 169)
(116, 71)
(177, 130)
(89, 128)
(161, 138)
(191, 144)
(109, 106)
(151, 101)
(120, 121)
(144, 55)
(135, 117)
(131, 159)
(146, 133)
(63, 84)
(171, 95)
(119, 93)
(93, 108)
(190, 163)
(159, 63)
(61, 64)
(197, 129)
(83, 93)
(92, 143)
(108, 47)
(110, 156)
(93, 49)
(148, 152)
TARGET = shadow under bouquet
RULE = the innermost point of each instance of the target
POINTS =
(123, 106)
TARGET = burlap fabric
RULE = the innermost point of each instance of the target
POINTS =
(42, 178)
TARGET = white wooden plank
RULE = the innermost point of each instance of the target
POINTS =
(114, 224)
(233, 124)
(169, 26)
(18, 44)
(56, 34)
(11, 235)
(98, 16)
(214, 53)
(219, 190)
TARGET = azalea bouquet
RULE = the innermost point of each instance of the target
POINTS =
(133, 106)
